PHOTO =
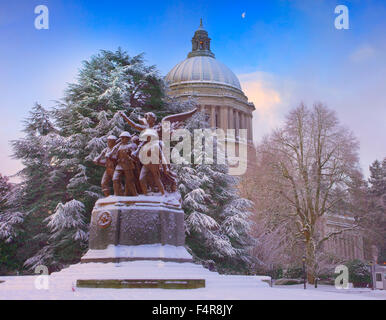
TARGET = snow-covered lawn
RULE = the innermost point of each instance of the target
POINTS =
(363, 292)
(220, 287)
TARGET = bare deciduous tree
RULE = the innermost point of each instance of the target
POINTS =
(305, 171)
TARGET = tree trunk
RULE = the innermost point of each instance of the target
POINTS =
(310, 278)
(311, 262)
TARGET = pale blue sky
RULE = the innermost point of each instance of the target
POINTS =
(283, 51)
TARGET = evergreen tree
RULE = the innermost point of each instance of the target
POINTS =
(68, 239)
(376, 222)
(216, 218)
(109, 82)
(5, 186)
(377, 178)
(59, 146)
(10, 222)
(61, 183)
(31, 201)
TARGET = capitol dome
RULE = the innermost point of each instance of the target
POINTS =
(212, 85)
(202, 68)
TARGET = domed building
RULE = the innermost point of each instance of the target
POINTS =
(214, 86)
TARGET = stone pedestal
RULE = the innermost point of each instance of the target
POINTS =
(138, 242)
(137, 228)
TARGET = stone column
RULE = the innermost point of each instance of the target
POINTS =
(237, 122)
(357, 250)
(213, 116)
(224, 118)
(343, 247)
(250, 127)
(360, 245)
(230, 118)
(242, 120)
(203, 109)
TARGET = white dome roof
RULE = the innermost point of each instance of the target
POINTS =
(202, 69)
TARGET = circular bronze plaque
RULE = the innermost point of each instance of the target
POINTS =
(104, 220)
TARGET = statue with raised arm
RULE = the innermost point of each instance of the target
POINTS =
(150, 121)
(157, 174)
(150, 175)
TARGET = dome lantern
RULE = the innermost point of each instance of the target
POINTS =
(201, 67)
(201, 43)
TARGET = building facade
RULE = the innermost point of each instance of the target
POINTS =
(347, 245)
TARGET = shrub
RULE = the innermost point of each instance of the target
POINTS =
(285, 282)
(294, 272)
(359, 274)
(275, 273)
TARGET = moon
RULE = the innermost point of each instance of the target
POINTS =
(243, 15)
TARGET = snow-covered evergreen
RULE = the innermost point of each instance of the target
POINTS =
(68, 233)
(216, 217)
(59, 146)
(60, 183)
(10, 226)
(9, 220)
(375, 218)
(5, 186)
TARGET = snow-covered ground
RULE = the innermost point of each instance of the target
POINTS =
(363, 292)
(61, 285)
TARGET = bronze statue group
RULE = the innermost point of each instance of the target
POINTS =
(121, 159)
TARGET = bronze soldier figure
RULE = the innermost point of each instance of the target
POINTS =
(134, 146)
(150, 172)
(108, 163)
(125, 167)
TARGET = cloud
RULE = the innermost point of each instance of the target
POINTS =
(363, 53)
(262, 89)
(357, 98)
(258, 88)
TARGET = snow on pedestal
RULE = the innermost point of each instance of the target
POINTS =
(140, 252)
